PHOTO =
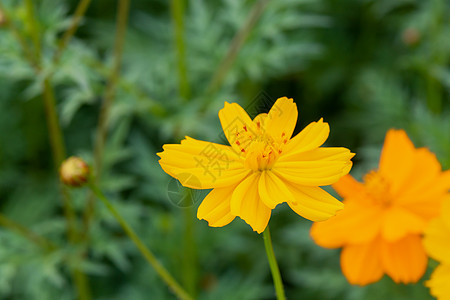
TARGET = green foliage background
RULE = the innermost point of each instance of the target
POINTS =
(364, 65)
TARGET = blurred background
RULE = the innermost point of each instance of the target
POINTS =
(134, 75)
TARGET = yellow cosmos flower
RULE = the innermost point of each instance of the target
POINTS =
(437, 245)
(262, 168)
(380, 228)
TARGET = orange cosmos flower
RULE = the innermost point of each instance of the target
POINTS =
(437, 245)
(380, 228)
(262, 168)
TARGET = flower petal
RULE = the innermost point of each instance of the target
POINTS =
(311, 137)
(215, 208)
(312, 173)
(272, 190)
(404, 260)
(246, 203)
(202, 165)
(361, 264)
(397, 158)
(359, 222)
(313, 203)
(237, 126)
(399, 222)
(347, 186)
(281, 119)
(438, 282)
(319, 154)
(437, 240)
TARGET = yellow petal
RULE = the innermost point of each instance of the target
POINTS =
(281, 119)
(404, 260)
(323, 153)
(246, 203)
(347, 186)
(361, 263)
(399, 222)
(439, 282)
(272, 190)
(202, 165)
(311, 137)
(357, 223)
(437, 240)
(312, 173)
(397, 158)
(237, 126)
(215, 208)
(313, 203)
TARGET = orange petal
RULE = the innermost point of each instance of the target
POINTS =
(347, 186)
(202, 165)
(437, 240)
(397, 158)
(399, 222)
(357, 223)
(313, 136)
(215, 208)
(281, 119)
(237, 126)
(438, 282)
(361, 263)
(312, 203)
(404, 260)
(246, 203)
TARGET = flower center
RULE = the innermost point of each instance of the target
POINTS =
(259, 149)
(378, 188)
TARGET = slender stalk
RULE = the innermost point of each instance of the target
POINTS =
(25, 232)
(33, 25)
(122, 17)
(273, 265)
(177, 9)
(148, 255)
(78, 15)
(236, 44)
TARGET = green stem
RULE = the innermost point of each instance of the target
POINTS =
(236, 44)
(148, 255)
(189, 254)
(177, 9)
(273, 265)
(122, 17)
(79, 13)
(108, 98)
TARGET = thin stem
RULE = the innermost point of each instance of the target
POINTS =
(34, 28)
(25, 232)
(189, 253)
(273, 265)
(122, 17)
(177, 9)
(236, 44)
(79, 13)
(108, 98)
(148, 255)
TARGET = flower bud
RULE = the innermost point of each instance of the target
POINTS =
(74, 172)
(2, 18)
(411, 36)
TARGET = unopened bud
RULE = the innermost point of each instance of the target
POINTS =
(411, 36)
(2, 18)
(74, 172)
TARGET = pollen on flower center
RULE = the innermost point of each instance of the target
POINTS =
(378, 188)
(259, 150)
